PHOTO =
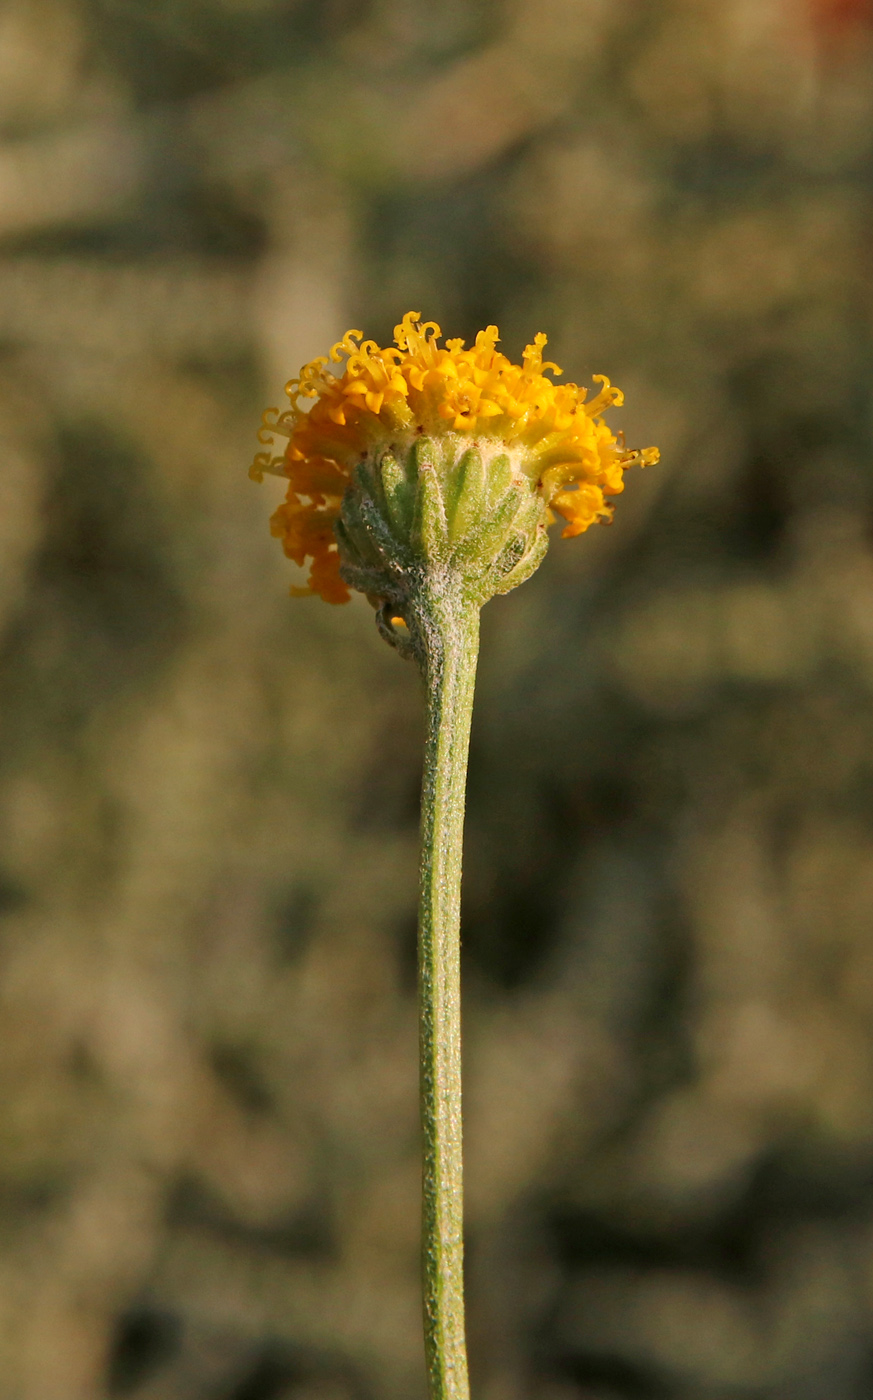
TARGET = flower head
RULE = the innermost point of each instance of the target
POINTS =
(467, 424)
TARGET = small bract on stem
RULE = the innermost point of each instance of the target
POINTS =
(426, 477)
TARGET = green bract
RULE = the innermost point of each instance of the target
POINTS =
(438, 513)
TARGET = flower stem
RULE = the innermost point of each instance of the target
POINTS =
(448, 629)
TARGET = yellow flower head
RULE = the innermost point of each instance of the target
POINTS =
(384, 401)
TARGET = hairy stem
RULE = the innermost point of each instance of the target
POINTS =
(448, 631)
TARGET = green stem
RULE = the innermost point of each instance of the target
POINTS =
(448, 629)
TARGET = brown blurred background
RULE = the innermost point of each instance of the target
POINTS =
(208, 792)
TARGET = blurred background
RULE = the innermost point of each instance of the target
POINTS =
(208, 793)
